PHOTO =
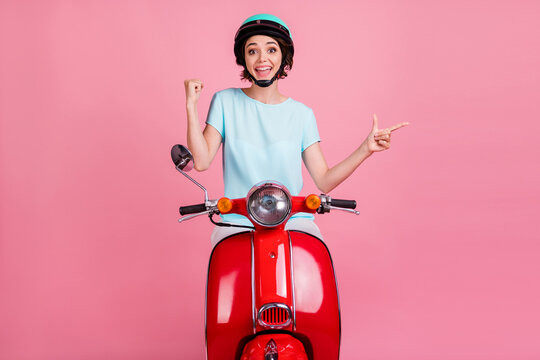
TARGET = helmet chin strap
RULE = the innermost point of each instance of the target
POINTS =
(266, 83)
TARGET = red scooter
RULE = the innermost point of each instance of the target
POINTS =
(271, 293)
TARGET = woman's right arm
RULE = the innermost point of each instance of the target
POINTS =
(203, 145)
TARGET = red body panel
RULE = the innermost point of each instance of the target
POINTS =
(316, 297)
(288, 347)
(305, 283)
(229, 323)
(273, 282)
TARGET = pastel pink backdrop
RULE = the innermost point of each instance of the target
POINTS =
(443, 262)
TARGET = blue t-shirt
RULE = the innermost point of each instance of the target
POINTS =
(261, 142)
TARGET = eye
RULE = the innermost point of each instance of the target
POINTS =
(272, 50)
(251, 51)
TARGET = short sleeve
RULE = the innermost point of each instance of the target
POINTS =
(216, 115)
(310, 133)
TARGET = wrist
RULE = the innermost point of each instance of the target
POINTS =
(365, 148)
(191, 101)
(191, 105)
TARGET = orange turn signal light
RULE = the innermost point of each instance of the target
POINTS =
(224, 205)
(313, 202)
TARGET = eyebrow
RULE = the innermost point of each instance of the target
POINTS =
(270, 42)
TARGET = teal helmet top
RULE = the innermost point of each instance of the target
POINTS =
(269, 18)
(262, 24)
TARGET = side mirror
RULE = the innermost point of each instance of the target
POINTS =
(183, 160)
(181, 157)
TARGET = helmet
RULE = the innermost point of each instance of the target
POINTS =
(262, 24)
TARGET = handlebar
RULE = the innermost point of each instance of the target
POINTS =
(347, 204)
(211, 207)
(192, 209)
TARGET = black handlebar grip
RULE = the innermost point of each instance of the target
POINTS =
(347, 204)
(192, 209)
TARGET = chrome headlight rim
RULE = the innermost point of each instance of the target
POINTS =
(269, 184)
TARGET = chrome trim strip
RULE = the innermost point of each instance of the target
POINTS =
(272, 305)
(292, 282)
(253, 311)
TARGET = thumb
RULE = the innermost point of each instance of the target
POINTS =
(375, 123)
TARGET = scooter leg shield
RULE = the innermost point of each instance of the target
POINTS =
(229, 310)
(274, 347)
(316, 297)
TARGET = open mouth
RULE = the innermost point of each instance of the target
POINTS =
(263, 71)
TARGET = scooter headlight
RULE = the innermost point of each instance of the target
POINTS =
(269, 203)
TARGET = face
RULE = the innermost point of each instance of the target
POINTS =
(263, 56)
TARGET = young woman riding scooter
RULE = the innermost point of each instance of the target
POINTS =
(266, 136)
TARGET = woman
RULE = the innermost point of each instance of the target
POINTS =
(265, 134)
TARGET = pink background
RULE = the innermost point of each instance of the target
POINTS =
(443, 263)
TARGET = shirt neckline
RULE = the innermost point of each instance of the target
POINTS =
(261, 103)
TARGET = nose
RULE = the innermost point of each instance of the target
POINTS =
(263, 55)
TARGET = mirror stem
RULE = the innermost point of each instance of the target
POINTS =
(196, 183)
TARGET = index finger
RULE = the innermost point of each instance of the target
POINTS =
(395, 127)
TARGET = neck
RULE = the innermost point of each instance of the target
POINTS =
(267, 95)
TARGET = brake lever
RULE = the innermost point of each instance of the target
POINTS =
(344, 209)
(189, 217)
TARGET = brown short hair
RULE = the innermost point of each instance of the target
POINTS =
(286, 56)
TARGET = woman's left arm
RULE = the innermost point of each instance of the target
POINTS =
(326, 178)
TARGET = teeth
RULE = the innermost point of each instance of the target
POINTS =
(263, 69)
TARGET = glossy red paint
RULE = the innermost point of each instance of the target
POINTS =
(288, 347)
(272, 264)
(305, 283)
(316, 297)
(229, 316)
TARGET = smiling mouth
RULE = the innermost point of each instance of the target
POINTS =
(263, 70)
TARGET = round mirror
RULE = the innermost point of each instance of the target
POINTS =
(181, 157)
